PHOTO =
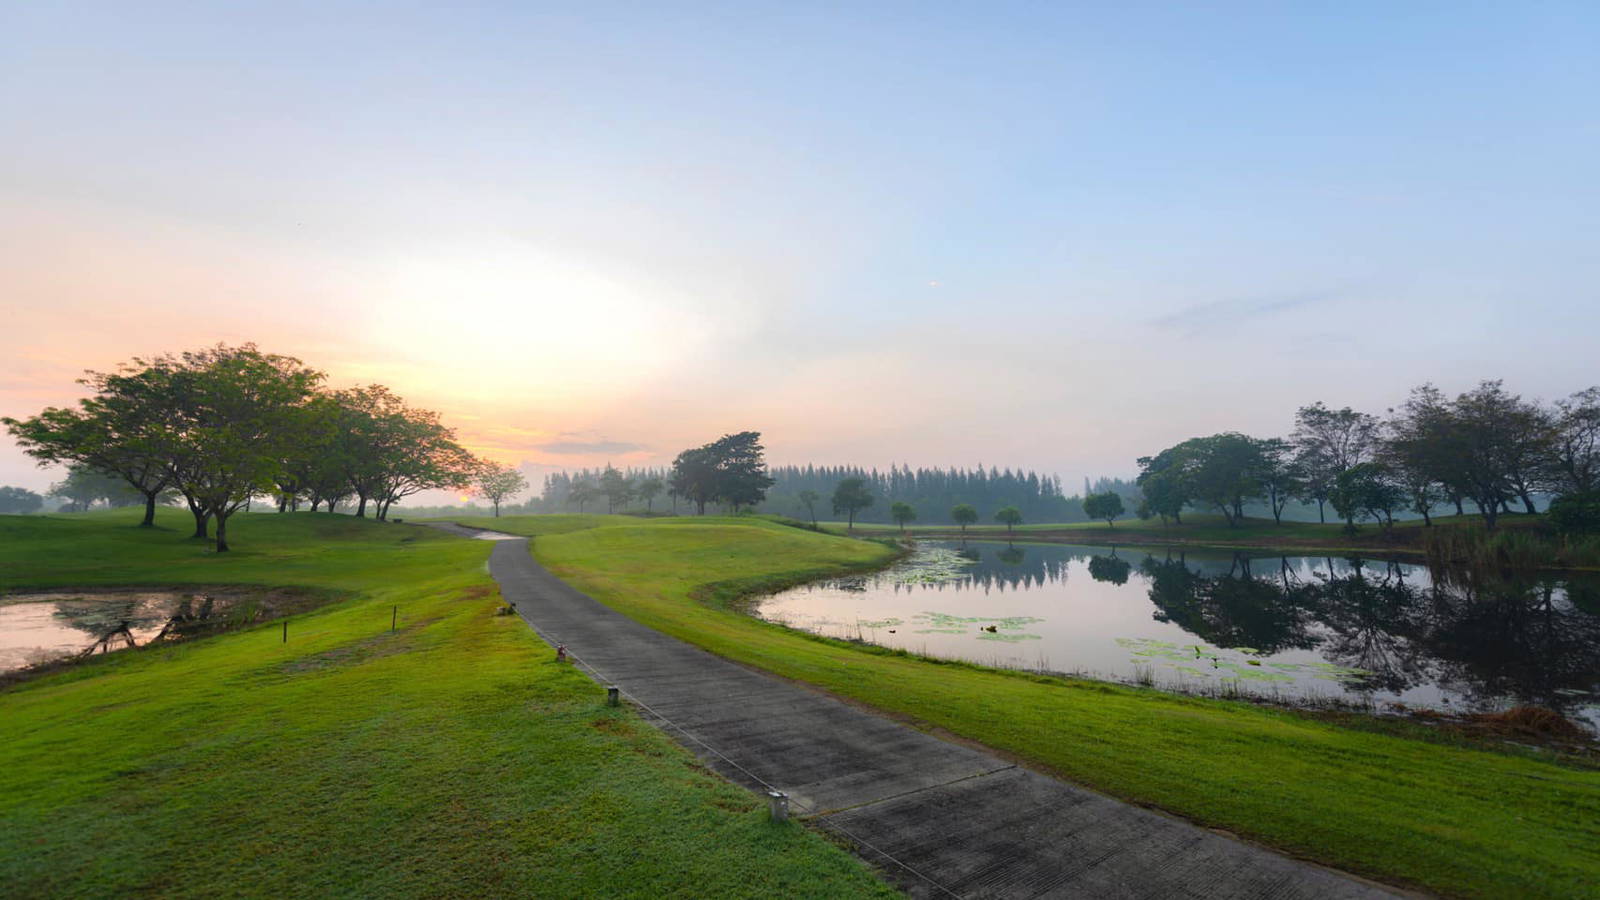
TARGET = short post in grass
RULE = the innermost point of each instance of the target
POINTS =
(394, 618)
(613, 695)
(778, 805)
(286, 631)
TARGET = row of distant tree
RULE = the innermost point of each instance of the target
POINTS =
(220, 426)
(794, 490)
(1487, 449)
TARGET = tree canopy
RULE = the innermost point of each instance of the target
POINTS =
(850, 497)
(225, 424)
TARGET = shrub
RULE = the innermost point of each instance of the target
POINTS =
(1576, 513)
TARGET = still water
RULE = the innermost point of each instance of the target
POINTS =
(46, 627)
(1307, 628)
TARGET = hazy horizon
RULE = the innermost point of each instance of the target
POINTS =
(1055, 239)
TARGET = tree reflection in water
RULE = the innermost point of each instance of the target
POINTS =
(1480, 634)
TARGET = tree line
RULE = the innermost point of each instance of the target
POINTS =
(1486, 448)
(222, 425)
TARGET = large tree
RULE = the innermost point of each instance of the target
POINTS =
(1280, 478)
(581, 493)
(1326, 442)
(15, 500)
(694, 477)
(85, 486)
(1573, 461)
(1366, 490)
(497, 483)
(1107, 505)
(123, 428)
(1161, 482)
(850, 497)
(731, 470)
(648, 489)
(1417, 451)
(808, 499)
(902, 513)
(617, 487)
(1497, 440)
(963, 514)
(391, 451)
(1010, 517)
(234, 414)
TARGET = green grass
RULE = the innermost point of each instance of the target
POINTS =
(450, 758)
(1389, 800)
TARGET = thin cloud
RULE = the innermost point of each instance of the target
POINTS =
(579, 448)
(1203, 317)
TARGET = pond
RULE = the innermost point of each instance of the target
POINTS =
(50, 626)
(1309, 629)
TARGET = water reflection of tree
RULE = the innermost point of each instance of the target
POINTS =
(1110, 569)
(1370, 622)
(112, 619)
(1236, 609)
(1518, 637)
(1483, 635)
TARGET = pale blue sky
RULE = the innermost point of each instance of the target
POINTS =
(647, 224)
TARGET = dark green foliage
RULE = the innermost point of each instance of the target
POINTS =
(1038, 496)
(1106, 506)
(1577, 513)
(1110, 569)
(902, 513)
(617, 488)
(648, 488)
(223, 425)
(731, 470)
(850, 497)
(1366, 490)
(1009, 516)
(963, 514)
(85, 486)
(15, 500)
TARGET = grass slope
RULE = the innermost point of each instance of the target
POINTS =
(1391, 801)
(449, 758)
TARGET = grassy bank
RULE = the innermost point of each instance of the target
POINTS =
(1394, 802)
(451, 757)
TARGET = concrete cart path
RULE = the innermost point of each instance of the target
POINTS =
(952, 820)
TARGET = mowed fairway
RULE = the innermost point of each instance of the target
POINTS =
(450, 757)
(1387, 800)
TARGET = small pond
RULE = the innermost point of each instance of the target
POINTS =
(51, 626)
(1300, 628)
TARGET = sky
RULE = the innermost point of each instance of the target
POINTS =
(1055, 236)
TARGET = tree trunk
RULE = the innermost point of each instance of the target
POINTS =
(1491, 511)
(1427, 521)
(1460, 511)
(1322, 516)
(1527, 501)
(222, 532)
(283, 503)
(201, 519)
(361, 510)
(149, 509)
(497, 509)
